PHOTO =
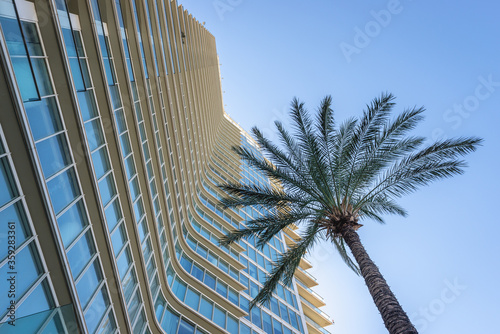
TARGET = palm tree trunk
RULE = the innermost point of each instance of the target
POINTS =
(395, 318)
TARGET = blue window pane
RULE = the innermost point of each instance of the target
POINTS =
(209, 280)
(252, 270)
(143, 230)
(278, 329)
(293, 318)
(170, 321)
(280, 291)
(244, 280)
(288, 295)
(206, 308)
(192, 299)
(72, 222)
(170, 274)
(79, 45)
(85, 72)
(115, 96)
(15, 224)
(139, 323)
(159, 306)
(232, 324)
(128, 284)
(146, 250)
(76, 74)
(86, 101)
(101, 162)
(68, 41)
(54, 326)
(31, 37)
(260, 260)
(244, 304)
(202, 251)
(262, 276)
(135, 95)
(25, 79)
(197, 272)
(287, 330)
(113, 214)
(107, 189)
(232, 296)
(53, 154)
(118, 239)
(142, 132)
(27, 264)
(256, 318)
(43, 117)
(80, 254)
(254, 289)
(130, 71)
(223, 266)
(42, 76)
(191, 242)
(95, 312)
(88, 283)
(133, 307)
(211, 257)
(130, 167)
(95, 137)
(8, 189)
(135, 191)
(294, 301)
(179, 289)
(146, 156)
(251, 253)
(120, 121)
(244, 329)
(185, 328)
(186, 263)
(13, 36)
(63, 190)
(274, 306)
(37, 301)
(266, 321)
(125, 144)
(123, 262)
(284, 313)
(221, 289)
(220, 316)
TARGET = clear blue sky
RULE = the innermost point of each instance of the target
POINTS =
(442, 262)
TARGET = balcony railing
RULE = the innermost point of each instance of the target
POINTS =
(307, 274)
(326, 316)
(315, 325)
(309, 290)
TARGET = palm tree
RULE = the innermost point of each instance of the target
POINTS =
(332, 177)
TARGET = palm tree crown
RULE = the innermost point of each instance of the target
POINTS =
(329, 177)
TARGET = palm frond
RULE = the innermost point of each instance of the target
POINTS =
(286, 265)
(327, 175)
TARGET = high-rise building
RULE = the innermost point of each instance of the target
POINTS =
(113, 139)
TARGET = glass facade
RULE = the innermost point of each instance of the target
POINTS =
(125, 140)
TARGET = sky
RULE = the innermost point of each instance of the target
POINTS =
(442, 261)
